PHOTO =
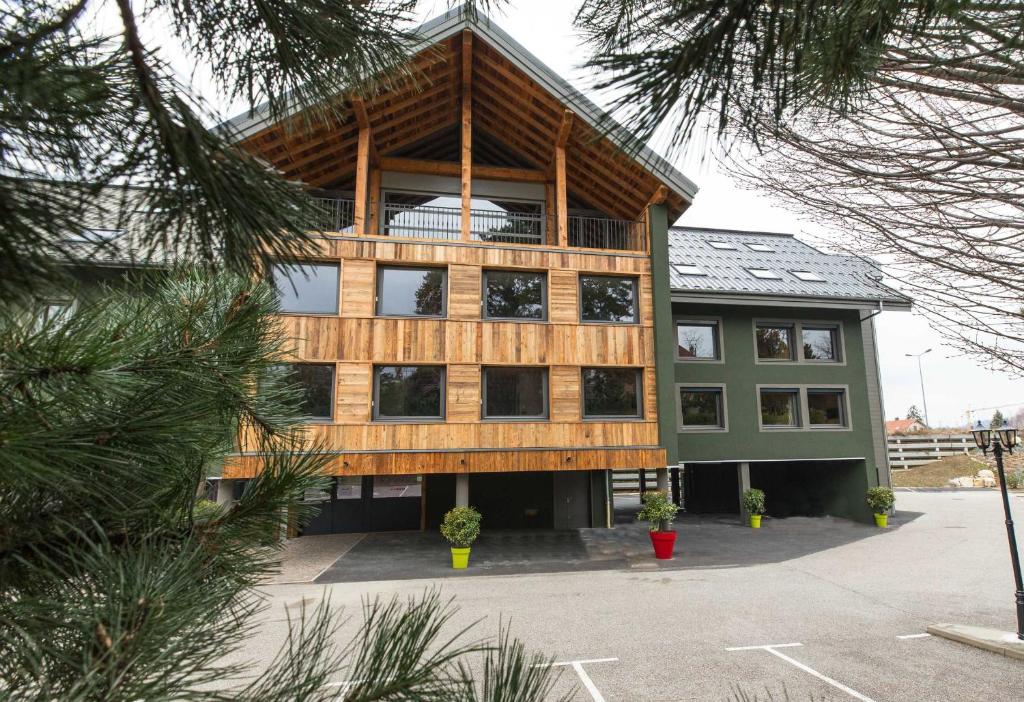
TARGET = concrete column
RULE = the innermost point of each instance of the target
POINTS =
(662, 475)
(743, 475)
(225, 492)
(462, 490)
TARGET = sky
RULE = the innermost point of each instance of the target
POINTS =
(953, 383)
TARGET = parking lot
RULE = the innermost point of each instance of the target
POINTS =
(839, 622)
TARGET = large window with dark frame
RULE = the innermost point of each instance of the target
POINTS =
(826, 407)
(701, 408)
(515, 393)
(306, 288)
(404, 291)
(610, 299)
(408, 393)
(698, 341)
(780, 408)
(316, 381)
(820, 342)
(515, 295)
(774, 341)
(612, 393)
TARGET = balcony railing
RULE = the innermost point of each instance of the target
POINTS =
(404, 220)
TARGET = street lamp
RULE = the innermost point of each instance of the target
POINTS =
(920, 374)
(1004, 439)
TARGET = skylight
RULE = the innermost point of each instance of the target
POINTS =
(764, 273)
(94, 235)
(688, 269)
(808, 276)
(763, 248)
(722, 245)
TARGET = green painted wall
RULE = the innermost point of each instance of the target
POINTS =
(664, 330)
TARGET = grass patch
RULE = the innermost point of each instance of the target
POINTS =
(937, 473)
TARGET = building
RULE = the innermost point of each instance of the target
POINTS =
(775, 373)
(904, 426)
(478, 325)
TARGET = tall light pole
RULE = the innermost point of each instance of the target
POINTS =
(920, 374)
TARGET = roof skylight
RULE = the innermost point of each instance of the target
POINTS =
(763, 248)
(722, 245)
(808, 276)
(688, 269)
(764, 273)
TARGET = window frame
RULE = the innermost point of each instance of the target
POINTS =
(838, 347)
(776, 324)
(316, 419)
(310, 264)
(803, 390)
(790, 389)
(546, 395)
(717, 324)
(634, 280)
(797, 356)
(544, 275)
(844, 406)
(379, 280)
(375, 398)
(723, 408)
(639, 416)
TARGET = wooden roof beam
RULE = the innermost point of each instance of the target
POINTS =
(564, 129)
(451, 169)
(466, 170)
(363, 121)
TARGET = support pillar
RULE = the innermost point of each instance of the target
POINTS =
(662, 477)
(677, 496)
(225, 493)
(743, 475)
(462, 490)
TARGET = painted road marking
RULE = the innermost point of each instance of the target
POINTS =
(771, 648)
(577, 666)
(914, 636)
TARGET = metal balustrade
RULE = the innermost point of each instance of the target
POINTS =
(335, 215)
(421, 221)
(604, 233)
(506, 227)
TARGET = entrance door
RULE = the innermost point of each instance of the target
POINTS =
(572, 500)
(396, 501)
(365, 503)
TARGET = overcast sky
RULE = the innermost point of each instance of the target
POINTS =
(953, 383)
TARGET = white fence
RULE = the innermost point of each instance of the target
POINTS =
(909, 451)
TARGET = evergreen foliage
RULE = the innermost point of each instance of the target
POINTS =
(880, 499)
(657, 510)
(461, 526)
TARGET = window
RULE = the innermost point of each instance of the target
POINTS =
(54, 314)
(820, 343)
(408, 392)
(317, 383)
(385, 486)
(611, 392)
(607, 299)
(514, 295)
(808, 276)
(698, 341)
(722, 245)
(763, 248)
(348, 487)
(826, 408)
(411, 292)
(701, 408)
(780, 408)
(307, 288)
(764, 273)
(515, 393)
(688, 269)
(774, 342)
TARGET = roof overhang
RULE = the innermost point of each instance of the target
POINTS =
(762, 300)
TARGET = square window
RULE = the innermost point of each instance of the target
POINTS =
(411, 292)
(515, 392)
(514, 295)
(808, 276)
(780, 408)
(688, 269)
(774, 342)
(317, 383)
(348, 487)
(763, 248)
(697, 341)
(820, 343)
(306, 288)
(608, 299)
(701, 408)
(826, 408)
(612, 392)
(408, 392)
(764, 274)
(722, 245)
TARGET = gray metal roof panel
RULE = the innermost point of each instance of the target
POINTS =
(728, 271)
(459, 18)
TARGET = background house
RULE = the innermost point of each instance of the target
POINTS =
(904, 426)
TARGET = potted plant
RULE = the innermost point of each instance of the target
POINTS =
(659, 513)
(753, 504)
(881, 500)
(461, 526)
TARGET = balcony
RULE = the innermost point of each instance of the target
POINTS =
(511, 224)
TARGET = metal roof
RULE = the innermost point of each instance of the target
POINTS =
(463, 17)
(729, 271)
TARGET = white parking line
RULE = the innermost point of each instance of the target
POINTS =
(577, 666)
(771, 648)
(914, 636)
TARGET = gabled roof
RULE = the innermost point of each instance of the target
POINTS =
(899, 426)
(518, 122)
(702, 262)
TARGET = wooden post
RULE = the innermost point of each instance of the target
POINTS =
(561, 195)
(362, 173)
(549, 214)
(467, 132)
(374, 225)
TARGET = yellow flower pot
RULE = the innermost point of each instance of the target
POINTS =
(460, 558)
(882, 520)
(755, 521)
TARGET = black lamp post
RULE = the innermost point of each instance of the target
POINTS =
(999, 441)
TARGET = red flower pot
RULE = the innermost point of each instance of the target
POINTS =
(663, 542)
